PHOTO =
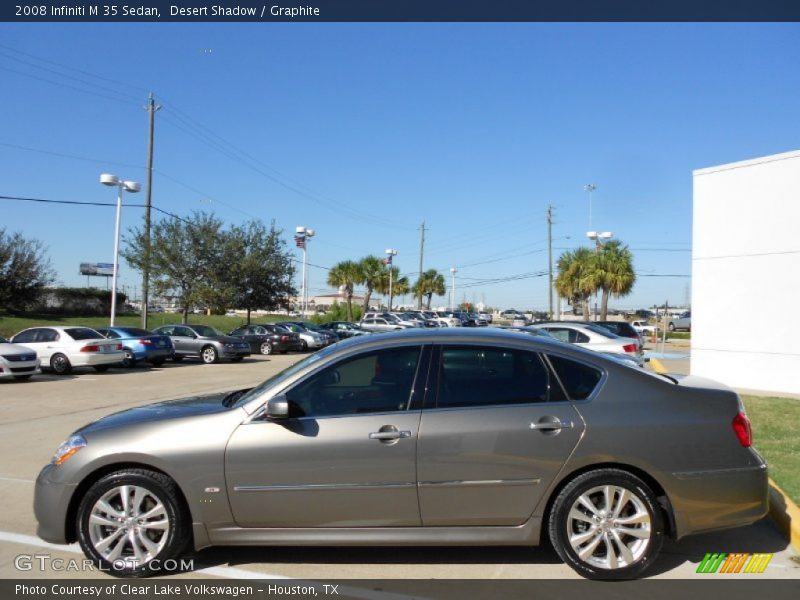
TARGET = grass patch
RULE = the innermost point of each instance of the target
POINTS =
(9, 325)
(679, 335)
(776, 435)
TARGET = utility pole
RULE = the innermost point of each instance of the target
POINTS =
(550, 259)
(421, 251)
(148, 202)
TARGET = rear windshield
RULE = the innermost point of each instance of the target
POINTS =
(601, 330)
(134, 331)
(83, 333)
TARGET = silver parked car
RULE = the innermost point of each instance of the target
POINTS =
(421, 437)
(683, 322)
(204, 342)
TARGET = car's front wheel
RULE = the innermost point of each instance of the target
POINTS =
(266, 348)
(130, 518)
(607, 524)
(209, 355)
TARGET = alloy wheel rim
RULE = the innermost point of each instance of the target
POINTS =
(609, 527)
(129, 525)
(208, 355)
(59, 363)
(266, 348)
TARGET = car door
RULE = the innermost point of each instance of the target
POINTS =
(497, 435)
(185, 341)
(345, 457)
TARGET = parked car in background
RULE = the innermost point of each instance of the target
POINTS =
(267, 339)
(205, 343)
(622, 329)
(140, 345)
(643, 327)
(380, 324)
(682, 323)
(485, 316)
(424, 437)
(466, 320)
(345, 329)
(309, 340)
(330, 336)
(424, 319)
(476, 318)
(17, 362)
(593, 337)
(448, 318)
(64, 348)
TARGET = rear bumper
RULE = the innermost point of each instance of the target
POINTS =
(720, 499)
(91, 359)
(149, 354)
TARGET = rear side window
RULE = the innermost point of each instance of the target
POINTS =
(579, 380)
(25, 336)
(82, 333)
(487, 376)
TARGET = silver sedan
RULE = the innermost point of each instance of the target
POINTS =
(421, 437)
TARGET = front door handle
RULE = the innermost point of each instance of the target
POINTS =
(551, 425)
(389, 434)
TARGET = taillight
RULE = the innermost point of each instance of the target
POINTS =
(119, 346)
(284, 338)
(91, 348)
(630, 348)
(146, 342)
(741, 427)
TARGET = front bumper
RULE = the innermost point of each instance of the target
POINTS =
(51, 500)
(19, 369)
(234, 352)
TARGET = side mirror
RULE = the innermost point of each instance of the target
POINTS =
(278, 407)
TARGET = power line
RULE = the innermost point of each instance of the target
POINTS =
(66, 85)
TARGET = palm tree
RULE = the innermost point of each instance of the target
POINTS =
(346, 274)
(615, 272)
(577, 276)
(399, 285)
(431, 282)
(373, 272)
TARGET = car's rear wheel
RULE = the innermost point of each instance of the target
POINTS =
(60, 364)
(672, 326)
(209, 355)
(130, 360)
(303, 346)
(266, 348)
(177, 357)
(607, 524)
(157, 362)
(130, 518)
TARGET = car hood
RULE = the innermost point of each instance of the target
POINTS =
(160, 411)
(15, 349)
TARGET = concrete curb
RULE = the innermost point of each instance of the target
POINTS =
(785, 513)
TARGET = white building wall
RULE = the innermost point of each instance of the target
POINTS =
(746, 273)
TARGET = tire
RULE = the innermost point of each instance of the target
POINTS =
(303, 346)
(100, 519)
(101, 368)
(60, 364)
(672, 326)
(130, 360)
(265, 348)
(157, 362)
(209, 355)
(595, 533)
(22, 377)
(177, 357)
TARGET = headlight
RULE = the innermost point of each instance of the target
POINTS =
(68, 449)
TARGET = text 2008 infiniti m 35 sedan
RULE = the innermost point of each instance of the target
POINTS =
(423, 437)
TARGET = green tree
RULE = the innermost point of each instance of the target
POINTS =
(257, 271)
(614, 272)
(373, 273)
(25, 271)
(346, 274)
(431, 282)
(577, 277)
(185, 258)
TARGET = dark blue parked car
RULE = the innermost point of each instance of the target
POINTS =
(140, 345)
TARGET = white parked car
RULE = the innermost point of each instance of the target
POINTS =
(17, 362)
(62, 348)
(379, 324)
(593, 337)
(643, 327)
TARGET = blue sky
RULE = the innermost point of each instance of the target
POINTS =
(474, 128)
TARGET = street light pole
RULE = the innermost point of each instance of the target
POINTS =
(302, 236)
(453, 271)
(590, 187)
(390, 254)
(133, 187)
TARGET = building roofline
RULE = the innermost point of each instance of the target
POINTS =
(747, 163)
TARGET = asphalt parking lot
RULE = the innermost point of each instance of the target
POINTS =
(36, 416)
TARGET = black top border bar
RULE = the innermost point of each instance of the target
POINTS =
(401, 11)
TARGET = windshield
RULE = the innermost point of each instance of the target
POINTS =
(205, 330)
(284, 375)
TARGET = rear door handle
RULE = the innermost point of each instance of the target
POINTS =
(389, 435)
(551, 424)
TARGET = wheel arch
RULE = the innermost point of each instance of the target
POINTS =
(661, 494)
(90, 479)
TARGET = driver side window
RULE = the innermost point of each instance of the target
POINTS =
(374, 382)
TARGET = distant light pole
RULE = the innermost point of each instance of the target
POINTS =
(390, 254)
(302, 236)
(590, 187)
(453, 271)
(598, 238)
(132, 187)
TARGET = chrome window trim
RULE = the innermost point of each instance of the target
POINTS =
(479, 482)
